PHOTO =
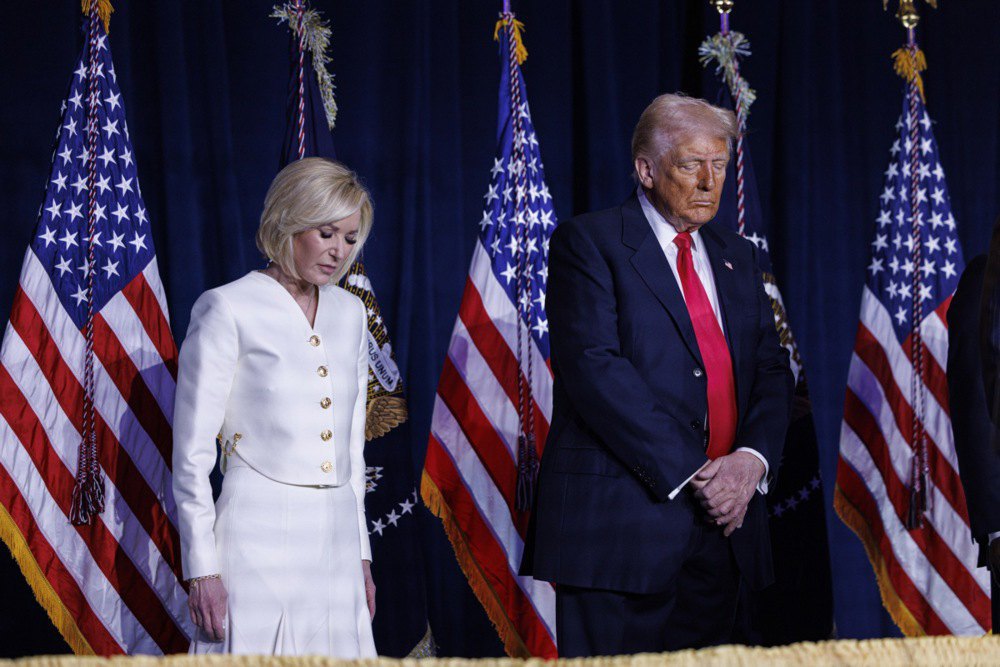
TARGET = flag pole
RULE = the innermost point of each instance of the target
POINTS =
(527, 449)
(723, 7)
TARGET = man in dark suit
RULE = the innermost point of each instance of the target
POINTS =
(671, 400)
(973, 358)
(989, 328)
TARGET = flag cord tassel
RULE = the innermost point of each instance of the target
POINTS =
(911, 65)
(527, 451)
(88, 488)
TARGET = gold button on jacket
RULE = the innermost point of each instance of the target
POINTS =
(326, 435)
(325, 403)
(326, 466)
(322, 371)
(314, 340)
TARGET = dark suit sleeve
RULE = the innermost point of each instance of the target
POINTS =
(978, 461)
(989, 326)
(769, 407)
(604, 388)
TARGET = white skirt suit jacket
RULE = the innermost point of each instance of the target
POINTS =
(288, 398)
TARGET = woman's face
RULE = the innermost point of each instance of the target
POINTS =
(320, 251)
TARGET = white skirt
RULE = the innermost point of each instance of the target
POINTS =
(291, 564)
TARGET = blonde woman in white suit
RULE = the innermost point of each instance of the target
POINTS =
(276, 365)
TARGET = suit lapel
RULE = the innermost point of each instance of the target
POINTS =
(652, 266)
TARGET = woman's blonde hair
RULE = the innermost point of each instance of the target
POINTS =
(304, 195)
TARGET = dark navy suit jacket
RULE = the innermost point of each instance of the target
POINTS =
(630, 403)
(975, 434)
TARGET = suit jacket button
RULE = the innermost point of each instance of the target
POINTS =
(323, 372)
(326, 466)
(697, 372)
(696, 424)
(326, 435)
(325, 403)
(314, 340)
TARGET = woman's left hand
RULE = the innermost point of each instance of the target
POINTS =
(366, 566)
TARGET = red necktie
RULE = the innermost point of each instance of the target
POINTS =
(714, 354)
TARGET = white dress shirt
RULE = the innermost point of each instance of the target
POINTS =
(665, 234)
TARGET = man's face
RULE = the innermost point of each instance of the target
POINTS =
(685, 184)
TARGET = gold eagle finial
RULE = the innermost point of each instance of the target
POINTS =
(722, 6)
(907, 12)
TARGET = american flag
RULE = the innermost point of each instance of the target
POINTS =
(111, 586)
(897, 480)
(496, 384)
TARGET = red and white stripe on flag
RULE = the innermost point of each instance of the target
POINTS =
(470, 473)
(113, 586)
(927, 575)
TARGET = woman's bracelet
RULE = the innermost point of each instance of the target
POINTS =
(193, 581)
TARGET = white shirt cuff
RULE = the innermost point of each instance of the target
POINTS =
(762, 484)
(994, 535)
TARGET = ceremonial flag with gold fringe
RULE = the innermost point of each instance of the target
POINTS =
(799, 605)
(898, 486)
(87, 377)
(400, 626)
(494, 399)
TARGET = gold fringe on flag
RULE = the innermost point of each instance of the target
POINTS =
(104, 10)
(317, 38)
(909, 64)
(891, 600)
(434, 500)
(47, 597)
(520, 51)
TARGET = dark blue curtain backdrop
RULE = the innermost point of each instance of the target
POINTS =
(204, 88)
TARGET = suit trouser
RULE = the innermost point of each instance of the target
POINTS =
(700, 609)
(994, 603)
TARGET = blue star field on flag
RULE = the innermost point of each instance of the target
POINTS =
(517, 176)
(122, 239)
(890, 273)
